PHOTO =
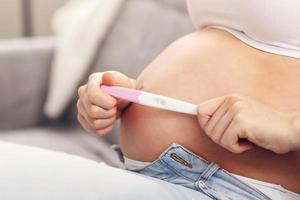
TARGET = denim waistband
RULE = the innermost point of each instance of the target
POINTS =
(180, 166)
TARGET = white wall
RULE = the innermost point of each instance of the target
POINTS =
(11, 13)
(42, 11)
(10, 19)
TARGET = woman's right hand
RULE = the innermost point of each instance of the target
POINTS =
(98, 111)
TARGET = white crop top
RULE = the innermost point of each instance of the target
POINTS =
(269, 25)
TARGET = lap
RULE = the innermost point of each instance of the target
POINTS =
(33, 173)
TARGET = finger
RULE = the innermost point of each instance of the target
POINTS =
(118, 79)
(209, 107)
(105, 130)
(219, 130)
(202, 119)
(103, 123)
(82, 111)
(230, 140)
(215, 118)
(82, 90)
(96, 77)
(99, 98)
(83, 123)
(97, 112)
(206, 109)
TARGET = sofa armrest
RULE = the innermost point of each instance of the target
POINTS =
(24, 72)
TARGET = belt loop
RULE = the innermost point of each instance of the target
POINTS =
(209, 171)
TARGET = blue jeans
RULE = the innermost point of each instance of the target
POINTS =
(179, 166)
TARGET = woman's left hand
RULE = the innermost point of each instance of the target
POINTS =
(236, 123)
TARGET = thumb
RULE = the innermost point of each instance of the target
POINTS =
(208, 108)
(114, 78)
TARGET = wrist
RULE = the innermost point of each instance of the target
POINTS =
(295, 138)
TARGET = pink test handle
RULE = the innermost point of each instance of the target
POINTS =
(122, 93)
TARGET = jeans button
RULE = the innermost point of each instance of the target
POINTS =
(202, 185)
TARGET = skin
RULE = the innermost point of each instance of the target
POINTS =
(98, 111)
(237, 123)
(247, 122)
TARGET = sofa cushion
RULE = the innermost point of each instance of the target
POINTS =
(141, 32)
(24, 70)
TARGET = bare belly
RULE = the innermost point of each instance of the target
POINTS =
(201, 66)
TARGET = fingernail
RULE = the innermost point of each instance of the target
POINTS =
(95, 79)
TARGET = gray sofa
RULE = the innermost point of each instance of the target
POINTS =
(141, 31)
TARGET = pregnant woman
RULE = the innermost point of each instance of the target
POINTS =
(243, 67)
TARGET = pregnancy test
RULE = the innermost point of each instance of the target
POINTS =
(150, 99)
